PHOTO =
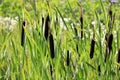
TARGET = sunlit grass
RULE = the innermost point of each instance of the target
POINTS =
(72, 59)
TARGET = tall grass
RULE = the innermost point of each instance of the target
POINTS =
(58, 42)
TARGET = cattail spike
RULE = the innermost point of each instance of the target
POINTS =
(47, 26)
(81, 21)
(99, 70)
(92, 48)
(118, 60)
(51, 71)
(110, 39)
(23, 34)
(68, 61)
(51, 42)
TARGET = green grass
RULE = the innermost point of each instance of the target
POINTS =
(32, 61)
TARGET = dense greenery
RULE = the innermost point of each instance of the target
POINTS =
(81, 35)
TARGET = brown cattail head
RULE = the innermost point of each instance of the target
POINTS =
(47, 26)
(23, 34)
(118, 60)
(99, 70)
(42, 21)
(51, 71)
(109, 42)
(51, 43)
(81, 21)
(75, 29)
(110, 14)
(92, 48)
(68, 60)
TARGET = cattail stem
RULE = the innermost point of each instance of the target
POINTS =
(47, 26)
(92, 48)
(23, 34)
(51, 43)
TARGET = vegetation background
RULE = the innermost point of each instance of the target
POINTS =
(83, 40)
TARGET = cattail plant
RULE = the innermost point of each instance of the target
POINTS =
(47, 27)
(23, 34)
(51, 69)
(92, 48)
(42, 22)
(51, 43)
(68, 59)
(76, 34)
(81, 21)
(99, 70)
(109, 40)
(118, 59)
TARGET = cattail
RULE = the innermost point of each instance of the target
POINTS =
(99, 70)
(81, 21)
(106, 51)
(51, 43)
(109, 42)
(77, 47)
(118, 60)
(42, 21)
(76, 34)
(92, 48)
(23, 34)
(110, 13)
(47, 26)
(51, 72)
(68, 60)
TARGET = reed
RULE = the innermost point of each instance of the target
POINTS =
(109, 42)
(51, 43)
(47, 27)
(23, 34)
(92, 48)
(81, 21)
(99, 70)
(68, 59)
(118, 59)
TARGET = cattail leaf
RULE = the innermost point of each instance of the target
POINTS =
(91, 66)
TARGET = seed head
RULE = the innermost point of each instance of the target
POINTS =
(51, 43)
(47, 26)
(118, 56)
(110, 39)
(99, 70)
(68, 61)
(92, 48)
(23, 34)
